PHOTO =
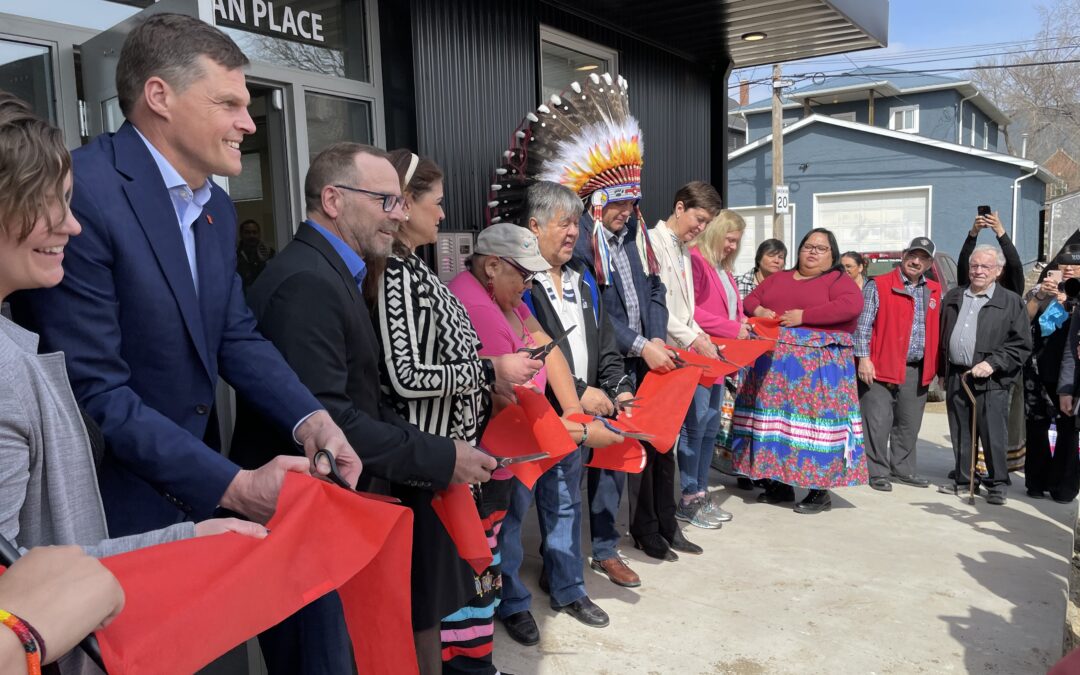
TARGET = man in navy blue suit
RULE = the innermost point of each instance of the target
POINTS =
(151, 310)
(637, 306)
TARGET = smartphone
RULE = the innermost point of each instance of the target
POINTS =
(984, 210)
(1054, 275)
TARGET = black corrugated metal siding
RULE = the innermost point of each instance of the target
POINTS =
(670, 96)
(475, 70)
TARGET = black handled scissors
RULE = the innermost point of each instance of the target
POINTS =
(337, 479)
(679, 361)
(502, 462)
(542, 352)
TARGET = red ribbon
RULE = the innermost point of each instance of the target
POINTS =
(189, 602)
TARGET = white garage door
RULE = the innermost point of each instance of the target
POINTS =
(880, 220)
(758, 229)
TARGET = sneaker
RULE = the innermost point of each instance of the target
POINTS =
(686, 511)
(700, 518)
(711, 508)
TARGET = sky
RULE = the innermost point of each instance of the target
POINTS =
(921, 25)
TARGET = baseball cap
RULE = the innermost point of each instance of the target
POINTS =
(508, 240)
(1070, 255)
(922, 244)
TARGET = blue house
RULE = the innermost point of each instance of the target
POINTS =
(881, 156)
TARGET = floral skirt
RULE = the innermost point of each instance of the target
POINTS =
(797, 416)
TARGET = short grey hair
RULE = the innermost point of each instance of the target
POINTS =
(545, 201)
(987, 248)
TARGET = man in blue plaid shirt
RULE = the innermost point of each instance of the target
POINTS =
(896, 345)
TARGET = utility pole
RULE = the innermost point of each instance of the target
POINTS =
(777, 151)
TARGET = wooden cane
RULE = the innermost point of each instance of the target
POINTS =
(974, 435)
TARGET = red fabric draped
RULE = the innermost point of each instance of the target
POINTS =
(744, 352)
(627, 456)
(456, 508)
(711, 369)
(528, 427)
(189, 602)
(765, 328)
(663, 399)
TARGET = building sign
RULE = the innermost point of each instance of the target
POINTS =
(283, 19)
(782, 196)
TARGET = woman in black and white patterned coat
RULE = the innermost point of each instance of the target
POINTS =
(432, 374)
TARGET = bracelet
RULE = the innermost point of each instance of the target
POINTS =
(584, 433)
(31, 645)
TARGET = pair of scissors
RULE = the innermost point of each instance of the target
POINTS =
(337, 479)
(541, 353)
(627, 404)
(636, 435)
(502, 462)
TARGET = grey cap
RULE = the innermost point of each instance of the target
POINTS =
(921, 244)
(508, 240)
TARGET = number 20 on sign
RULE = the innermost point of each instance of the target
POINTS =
(782, 199)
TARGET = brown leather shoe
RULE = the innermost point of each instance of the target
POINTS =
(618, 571)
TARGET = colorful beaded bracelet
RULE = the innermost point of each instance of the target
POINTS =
(25, 634)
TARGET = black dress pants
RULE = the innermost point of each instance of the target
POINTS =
(992, 407)
(652, 496)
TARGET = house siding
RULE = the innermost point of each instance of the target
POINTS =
(838, 159)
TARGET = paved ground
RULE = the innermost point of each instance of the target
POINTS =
(906, 582)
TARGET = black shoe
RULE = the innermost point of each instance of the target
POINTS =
(744, 483)
(683, 545)
(815, 502)
(952, 475)
(1061, 500)
(586, 611)
(545, 585)
(913, 480)
(958, 490)
(1036, 494)
(522, 627)
(655, 546)
(777, 493)
(995, 498)
(881, 484)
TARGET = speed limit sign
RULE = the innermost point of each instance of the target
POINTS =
(782, 199)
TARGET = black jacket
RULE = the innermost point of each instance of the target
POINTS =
(1002, 338)
(606, 367)
(308, 305)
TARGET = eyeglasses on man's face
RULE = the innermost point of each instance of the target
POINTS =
(526, 275)
(976, 266)
(810, 248)
(389, 202)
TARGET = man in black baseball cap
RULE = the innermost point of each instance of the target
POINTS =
(896, 347)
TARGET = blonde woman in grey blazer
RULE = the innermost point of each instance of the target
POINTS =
(48, 488)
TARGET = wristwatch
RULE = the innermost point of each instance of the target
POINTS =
(489, 371)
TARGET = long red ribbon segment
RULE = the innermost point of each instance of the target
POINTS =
(189, 602)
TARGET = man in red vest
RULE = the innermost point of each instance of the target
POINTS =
(896, 345)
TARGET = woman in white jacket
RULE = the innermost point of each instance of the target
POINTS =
(695, 205)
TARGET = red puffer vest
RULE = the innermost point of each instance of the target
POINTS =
(892, 329)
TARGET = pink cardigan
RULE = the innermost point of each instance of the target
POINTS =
(710, 300)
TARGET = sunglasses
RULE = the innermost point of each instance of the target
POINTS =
(526, 275)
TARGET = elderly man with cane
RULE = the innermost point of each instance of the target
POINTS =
(984, 337)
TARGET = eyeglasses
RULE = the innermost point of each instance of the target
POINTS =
(389, 202)
(815, 249)
(526, 275)
(983, 267)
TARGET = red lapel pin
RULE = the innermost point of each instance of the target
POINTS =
(209, 219)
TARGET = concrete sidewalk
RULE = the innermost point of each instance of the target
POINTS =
(910, 581)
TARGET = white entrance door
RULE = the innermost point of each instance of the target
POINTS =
(758, 229)
(874, 220)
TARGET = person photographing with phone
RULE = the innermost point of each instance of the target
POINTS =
(1012, 275)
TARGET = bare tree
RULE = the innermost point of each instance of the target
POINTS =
(1042, 100)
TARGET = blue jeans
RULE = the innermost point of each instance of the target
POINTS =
(558, 508)
(605, 493)
(698, 437)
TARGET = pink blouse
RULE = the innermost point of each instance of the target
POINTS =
(497, 336)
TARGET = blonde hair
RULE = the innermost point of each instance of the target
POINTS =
(712, 238)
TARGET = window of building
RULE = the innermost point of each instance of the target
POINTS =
(905, 118)
(26, 70)
(986, 135)
(328, 38)
(565, 58)
(973, 130)
(846, 116)
(332, 118)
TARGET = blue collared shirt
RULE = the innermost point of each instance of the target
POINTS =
(187, 203)
(351, 258)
